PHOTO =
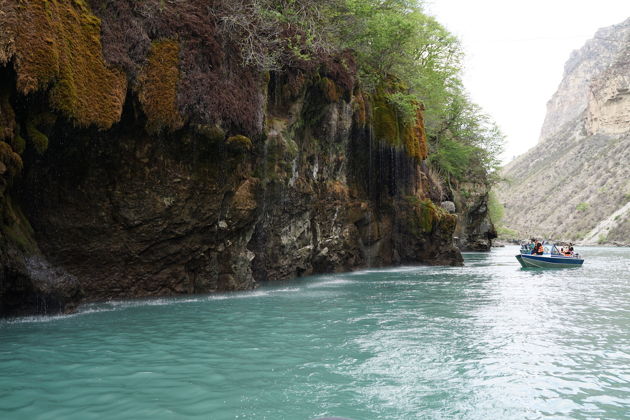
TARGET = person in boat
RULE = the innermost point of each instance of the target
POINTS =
(531, 245)
(538, 249)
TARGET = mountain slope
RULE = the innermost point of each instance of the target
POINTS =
(575, 184)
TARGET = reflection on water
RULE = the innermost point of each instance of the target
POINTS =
(488, 340)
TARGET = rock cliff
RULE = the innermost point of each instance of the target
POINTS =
(575, 184)
(140, 158)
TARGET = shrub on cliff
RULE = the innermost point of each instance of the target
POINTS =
(215, 65)
(397, 40)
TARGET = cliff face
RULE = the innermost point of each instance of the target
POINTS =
(150, 162)
(575, 184)
(584, 72)
(475, 231)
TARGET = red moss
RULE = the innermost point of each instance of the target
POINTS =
(421, 133)
(342, 68)
(360, 109)
(331, 92)
(414, 136)
(214, 87)
(158, 87)
(58, 47)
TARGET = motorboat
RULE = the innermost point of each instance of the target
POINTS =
(550, 258)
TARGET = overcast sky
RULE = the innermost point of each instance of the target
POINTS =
(515, 54)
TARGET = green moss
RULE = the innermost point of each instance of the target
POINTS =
(19, 144)
(16, 228)
(426, 217)
(58, 48)
(385, 121)
(38, 139)
(239, 143)
(158, 87)
(211, 133)
(11, 160)
(395, 127)
(35, 125)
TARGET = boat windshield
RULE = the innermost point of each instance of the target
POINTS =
(554, 250)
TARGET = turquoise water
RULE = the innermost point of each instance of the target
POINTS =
(486, 341)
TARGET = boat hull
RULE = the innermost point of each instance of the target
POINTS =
(545, 261)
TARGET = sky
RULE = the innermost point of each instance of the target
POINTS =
(515, 54)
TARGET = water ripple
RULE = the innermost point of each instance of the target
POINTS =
(488, 340)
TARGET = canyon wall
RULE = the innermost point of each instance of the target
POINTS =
(575, 184)
(139, 157)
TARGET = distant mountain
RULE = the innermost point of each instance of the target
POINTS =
(575, 184)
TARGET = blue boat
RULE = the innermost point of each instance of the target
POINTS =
(551, 258)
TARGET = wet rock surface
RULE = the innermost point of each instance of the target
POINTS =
(215, 177)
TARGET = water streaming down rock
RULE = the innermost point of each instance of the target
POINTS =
(223, 201)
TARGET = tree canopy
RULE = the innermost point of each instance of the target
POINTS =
(391, 40)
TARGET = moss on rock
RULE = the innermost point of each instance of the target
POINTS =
(16, 227)
(210, 133)
(426, 217)
(360, 109)
(19, 144)
(239, 143)
(414, 136)
(35, 125)
(385, 121)
(7, 115)
(394, 129)
(11, 161)
(58, 47)
(331, 91)
(38, 139)
(158, 87)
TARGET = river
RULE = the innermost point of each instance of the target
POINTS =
(488, 340)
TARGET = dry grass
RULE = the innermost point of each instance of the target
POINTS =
(158, 87)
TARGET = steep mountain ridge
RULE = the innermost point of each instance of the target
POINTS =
(579, 173)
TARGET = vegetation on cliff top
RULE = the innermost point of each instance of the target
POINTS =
(396, 40)
(207, 63)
